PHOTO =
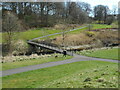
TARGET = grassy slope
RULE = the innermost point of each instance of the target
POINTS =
(98, 26)
(104, 53)
(17, 64)
(66, 76)
(36, 33)
(30, 34)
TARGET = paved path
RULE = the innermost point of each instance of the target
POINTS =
(76, 58)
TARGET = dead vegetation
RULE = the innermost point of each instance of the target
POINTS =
(67, 26)
(24, 57)
(98, 38)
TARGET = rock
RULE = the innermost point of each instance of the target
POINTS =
(80, 74)
(100, 80)
(56, 56)
(104, 74)
(95, 70)
(87, 79)
(2, 62)
(13, 60)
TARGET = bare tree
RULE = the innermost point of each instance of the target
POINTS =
(10, 26)
(101, 12)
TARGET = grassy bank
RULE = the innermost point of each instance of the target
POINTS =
(17, 64)
(30, 34)
(84, 74)
(102, 53)
(98, 26)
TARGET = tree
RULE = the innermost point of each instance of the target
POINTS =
(85, 7)
(44, 14)
(100, 13)
(10, 26)
(119, 17)
(75, 13)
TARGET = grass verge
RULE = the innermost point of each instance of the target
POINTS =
(102, 53)
(17, 64)
(84, 74)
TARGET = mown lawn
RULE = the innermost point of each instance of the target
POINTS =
(17, 64)
(103, 53)
(83, 74)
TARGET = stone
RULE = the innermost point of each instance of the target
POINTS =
(100, 80)
(87, 79)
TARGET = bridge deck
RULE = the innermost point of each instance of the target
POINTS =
(48, 47)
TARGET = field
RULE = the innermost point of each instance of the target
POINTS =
(17, 64)
(103, 53)
(84, 74)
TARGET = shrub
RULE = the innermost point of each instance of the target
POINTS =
(59, 26)
(109, 20)
(20, 47)
(114, 24)
(108, 37)
(90, 33)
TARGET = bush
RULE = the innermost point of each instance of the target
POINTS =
(109, 20)
(90, 33)
(115, 24)
(20, 47)
(59, 26)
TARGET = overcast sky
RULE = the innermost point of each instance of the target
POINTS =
(109, 3)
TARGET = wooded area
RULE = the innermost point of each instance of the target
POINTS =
(46, 14)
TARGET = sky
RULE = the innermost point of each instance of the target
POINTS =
(109, 3)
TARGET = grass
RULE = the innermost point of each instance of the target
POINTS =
(30, 34)
(95, 26)
(36, 33)
(103, 53)
(99, 26)
(74, 75)
(17, 64)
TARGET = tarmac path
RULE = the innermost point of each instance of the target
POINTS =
(76, 58)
